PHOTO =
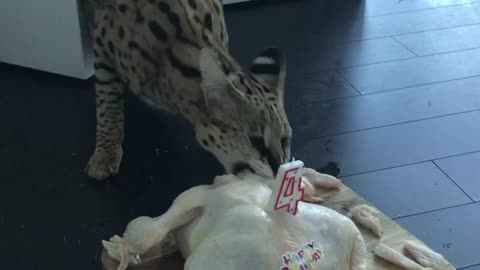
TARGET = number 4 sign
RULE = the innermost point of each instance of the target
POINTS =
(287, 191)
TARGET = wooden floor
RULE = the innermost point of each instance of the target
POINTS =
(388, 89)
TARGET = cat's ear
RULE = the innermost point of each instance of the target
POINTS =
(270, 67)
(217, 83)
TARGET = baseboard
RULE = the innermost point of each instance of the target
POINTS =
(226, 2)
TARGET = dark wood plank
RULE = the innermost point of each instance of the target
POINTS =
(453, 232)
(391, 146)
(313, 82)
(383, 7)
(465, 171)
(416, 71)
(321, 53)
(313, 25)
(380, 109)
(318, 86)
(373, 8)
(322, 56)
(387, 189)
(410, 22)
(441, 41)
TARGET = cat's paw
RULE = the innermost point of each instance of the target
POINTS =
(104, 163)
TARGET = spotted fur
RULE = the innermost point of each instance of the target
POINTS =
(174, 55)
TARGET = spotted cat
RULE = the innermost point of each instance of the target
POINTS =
(173, 54)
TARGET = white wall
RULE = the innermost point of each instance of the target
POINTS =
(45, 35)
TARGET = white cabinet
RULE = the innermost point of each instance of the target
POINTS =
(44, 35)
(47, 35)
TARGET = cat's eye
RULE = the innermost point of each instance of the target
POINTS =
(259, 144)
(285, 141)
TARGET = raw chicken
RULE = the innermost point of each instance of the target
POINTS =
(389, 254)
(313, 180)
(321, 180)
(228, 226)
(426, 257)
(365, 215)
